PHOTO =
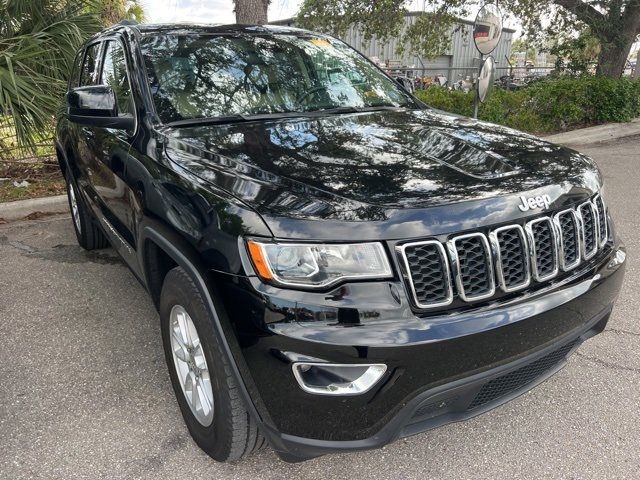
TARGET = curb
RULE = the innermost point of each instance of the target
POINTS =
(597, 134)
(35, 207)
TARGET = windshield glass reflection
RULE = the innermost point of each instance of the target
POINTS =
(205, 76)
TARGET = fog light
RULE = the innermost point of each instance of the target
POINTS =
(337, 379)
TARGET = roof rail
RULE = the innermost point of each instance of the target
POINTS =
(127, 21)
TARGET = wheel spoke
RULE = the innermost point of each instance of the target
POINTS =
(189, 384)
(178, 345)
(184, 328)
(195, 392)
(198, 356)
(204, 398)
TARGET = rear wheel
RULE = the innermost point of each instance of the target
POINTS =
(206, 390)
(89, 235)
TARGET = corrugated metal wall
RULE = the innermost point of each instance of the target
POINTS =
(462, 53)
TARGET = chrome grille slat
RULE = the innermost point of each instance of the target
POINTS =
(568, 231)
(589, 228)
(510, 250)
(427, 258)
(472, 266)
(601, 214)
(543, 248)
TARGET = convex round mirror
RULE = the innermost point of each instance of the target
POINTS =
(486, 78)
(487, 28)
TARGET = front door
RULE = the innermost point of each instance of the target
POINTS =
(114, 195)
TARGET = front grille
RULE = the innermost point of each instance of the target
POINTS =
(430, 279)
(512, 260)
(544, 249)
(589, 230)
(568, 229)
(513, 381)
(473, 266)
(601, 211)
(510, 257)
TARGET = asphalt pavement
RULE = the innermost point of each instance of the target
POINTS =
(84, 391)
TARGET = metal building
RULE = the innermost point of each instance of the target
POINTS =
(462, 53)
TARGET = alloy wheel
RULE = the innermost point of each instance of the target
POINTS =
(191, 365)
(75, 211)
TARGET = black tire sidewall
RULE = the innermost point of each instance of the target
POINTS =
(90, 236)
(80, 235)
(215, 439)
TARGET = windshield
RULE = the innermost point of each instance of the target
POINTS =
(204, 76)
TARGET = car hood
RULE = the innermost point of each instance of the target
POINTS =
(376, 165)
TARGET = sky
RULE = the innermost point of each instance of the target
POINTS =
(208, 11)
(217, 11)
(221, 11)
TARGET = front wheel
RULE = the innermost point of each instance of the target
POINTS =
(207, 392)
(89, 235)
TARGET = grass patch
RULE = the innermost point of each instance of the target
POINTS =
(37, 166)
(42, 187)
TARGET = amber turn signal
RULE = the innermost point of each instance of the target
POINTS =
(259, 262)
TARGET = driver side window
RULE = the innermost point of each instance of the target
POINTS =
(89, 71)
(114, 74)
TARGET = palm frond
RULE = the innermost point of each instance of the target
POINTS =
(38, 42)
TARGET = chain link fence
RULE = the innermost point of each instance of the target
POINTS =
(12, 155)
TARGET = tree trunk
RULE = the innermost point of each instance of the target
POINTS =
(251, 12)
(613, 57)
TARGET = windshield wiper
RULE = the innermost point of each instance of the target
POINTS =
(226, 119)
(339, 110)
(187, 122)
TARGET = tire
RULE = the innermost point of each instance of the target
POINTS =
(228, 433)
(89, 235)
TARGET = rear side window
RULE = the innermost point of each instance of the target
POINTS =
(114, 74)
(89, 74)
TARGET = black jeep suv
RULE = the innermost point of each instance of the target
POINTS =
(335, 264)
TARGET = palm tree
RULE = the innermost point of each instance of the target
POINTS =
(38, 42)
(112, 11)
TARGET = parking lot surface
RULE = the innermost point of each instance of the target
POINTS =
(84, 391)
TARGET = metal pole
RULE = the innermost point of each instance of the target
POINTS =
(476, 100)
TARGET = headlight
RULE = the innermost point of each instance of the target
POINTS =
(318, 265)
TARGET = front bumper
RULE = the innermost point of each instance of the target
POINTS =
(440, 369)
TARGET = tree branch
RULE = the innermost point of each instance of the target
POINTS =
(586, 14)
(631, 15)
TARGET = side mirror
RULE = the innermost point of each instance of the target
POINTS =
(405, 83)
(96, 106)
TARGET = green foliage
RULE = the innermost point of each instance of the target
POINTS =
(429, 35)
(548, 106)
(453, 101)
(110, 12)
(576, 54)
(382, 19)
(614, 23)
(38, 42)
